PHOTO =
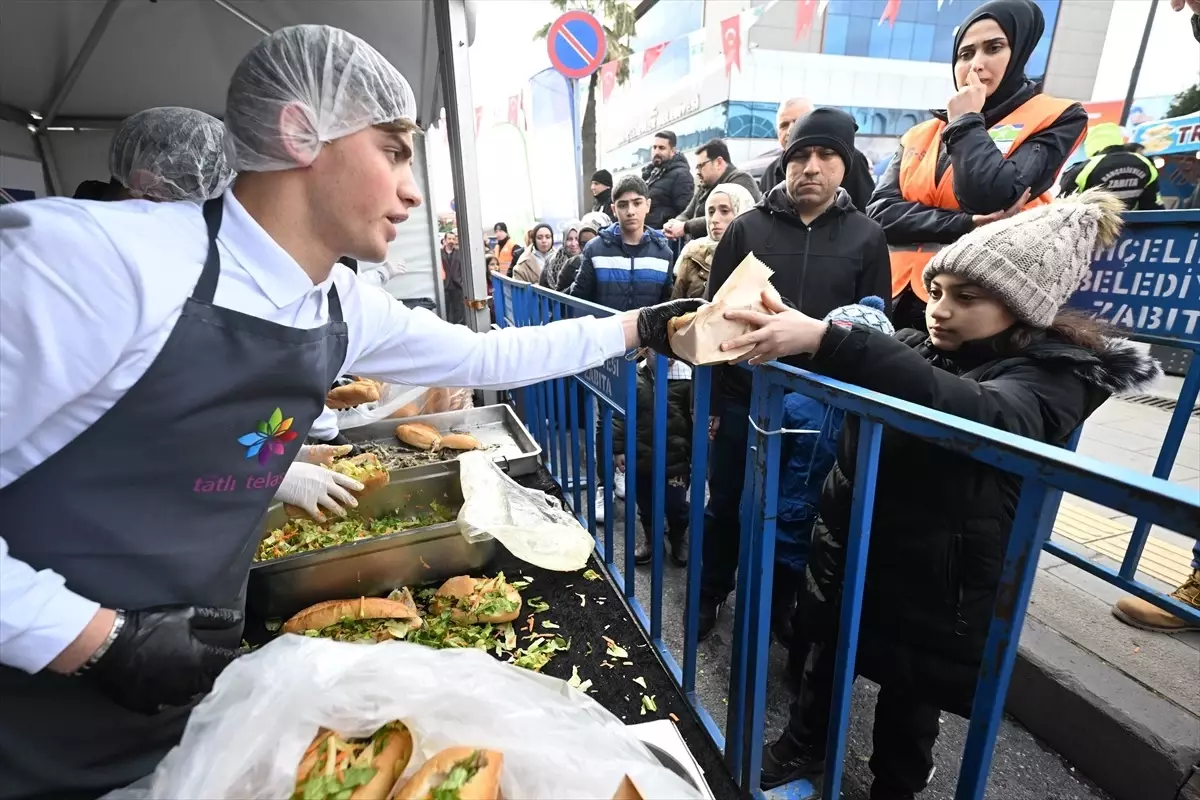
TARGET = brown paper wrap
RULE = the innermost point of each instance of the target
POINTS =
(699, 342)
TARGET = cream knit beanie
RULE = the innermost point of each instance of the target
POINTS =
(1033, 262)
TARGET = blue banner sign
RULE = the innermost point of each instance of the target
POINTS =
(608, 380)
(1149, 281)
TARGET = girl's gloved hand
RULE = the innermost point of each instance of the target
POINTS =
(322, 453)
(310, 486)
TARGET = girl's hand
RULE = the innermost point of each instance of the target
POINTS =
(783, 332)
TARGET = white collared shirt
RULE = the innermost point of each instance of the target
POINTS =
(89, 292)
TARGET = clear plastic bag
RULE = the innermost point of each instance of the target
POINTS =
(246, 739)
(530, 524)
(397, 401)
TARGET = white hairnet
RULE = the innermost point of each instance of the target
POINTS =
(170, 153)
(335, 83)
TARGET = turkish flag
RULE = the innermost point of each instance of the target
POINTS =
(731, 43)
(478, 119)
(805, 11)
(514, 108)
(651, 55)
(608, 79)
(890, 11)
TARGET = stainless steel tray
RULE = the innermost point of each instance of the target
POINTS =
(497, 427)
(283, 586)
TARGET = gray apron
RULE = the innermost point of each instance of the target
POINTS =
(158, 502)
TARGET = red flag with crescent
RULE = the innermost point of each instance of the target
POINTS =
(651, 55)
(608, 79)
(806, 10)
(731, 43)
(478, 119)
(514, 108)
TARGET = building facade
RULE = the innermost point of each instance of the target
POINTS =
(886, 72)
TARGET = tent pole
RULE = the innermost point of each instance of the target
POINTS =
(244, 17)
(1127, 106)
(450, 17)
(81, 59)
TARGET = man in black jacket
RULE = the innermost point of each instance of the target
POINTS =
(602, 182)
(825, 254)
(858, 180)
(670, 180)
(713, 167)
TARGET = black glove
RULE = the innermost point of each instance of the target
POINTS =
(156, 660)
(652, 322)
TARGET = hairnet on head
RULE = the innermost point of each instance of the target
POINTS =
(170, 153)
(334, 84)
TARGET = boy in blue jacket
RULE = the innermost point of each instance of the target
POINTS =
(805, 461)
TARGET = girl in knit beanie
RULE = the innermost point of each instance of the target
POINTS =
(1002, 352)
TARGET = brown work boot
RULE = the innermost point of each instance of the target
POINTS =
(1149, 617)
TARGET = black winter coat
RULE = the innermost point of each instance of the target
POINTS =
(694, 216)
(859, 181)
(942, 520)
(671, 188)
(985, 181)
(840, 259)
(679, 425)
(603, 202)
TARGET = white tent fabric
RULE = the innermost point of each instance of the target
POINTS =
(178, 53)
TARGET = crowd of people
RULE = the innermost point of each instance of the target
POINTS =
(945, 250)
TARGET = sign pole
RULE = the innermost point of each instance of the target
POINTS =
(577, 133)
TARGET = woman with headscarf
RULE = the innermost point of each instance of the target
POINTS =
(725, 202)
(589, 228)
(995, 150)
(529, 266)
(570, 248)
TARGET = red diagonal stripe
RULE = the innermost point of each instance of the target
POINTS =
(575, 45)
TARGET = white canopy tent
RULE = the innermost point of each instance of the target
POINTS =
(71, 70)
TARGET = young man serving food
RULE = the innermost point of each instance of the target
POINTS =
(160, 365)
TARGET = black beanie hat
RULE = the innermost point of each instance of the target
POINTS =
(823, 127)
(603, 176)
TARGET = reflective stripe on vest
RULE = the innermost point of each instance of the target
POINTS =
(918, 175)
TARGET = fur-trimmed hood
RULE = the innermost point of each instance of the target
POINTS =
(1118, 367)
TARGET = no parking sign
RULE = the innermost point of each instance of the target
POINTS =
(576, 44)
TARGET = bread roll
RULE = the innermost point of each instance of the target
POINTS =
(473, 774)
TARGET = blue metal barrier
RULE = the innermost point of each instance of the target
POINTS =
(1048, 471)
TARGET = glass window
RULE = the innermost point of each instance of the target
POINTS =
(751, 120)
(836, 28)
(881, 41)
(922, 43)
(879, 123)
(902, 40)
(858, 39)
(926, 10)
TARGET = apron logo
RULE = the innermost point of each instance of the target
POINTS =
(268, 437)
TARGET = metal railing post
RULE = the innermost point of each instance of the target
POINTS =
(1031, 527)
(858, 544)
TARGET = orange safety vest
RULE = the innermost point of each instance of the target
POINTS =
(505, 253)
(919, 184)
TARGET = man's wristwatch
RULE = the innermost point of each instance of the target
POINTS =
(118, 624)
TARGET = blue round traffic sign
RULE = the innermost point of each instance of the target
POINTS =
(576, 43)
